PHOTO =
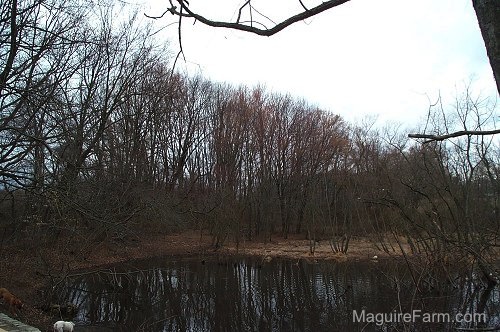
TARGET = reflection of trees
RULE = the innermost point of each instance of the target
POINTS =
(249, 296)
(476, 298)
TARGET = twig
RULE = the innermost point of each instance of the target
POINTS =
(302, 4)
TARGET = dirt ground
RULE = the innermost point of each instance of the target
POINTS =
(26, 270)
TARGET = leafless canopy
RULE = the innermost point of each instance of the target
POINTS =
(487, 13)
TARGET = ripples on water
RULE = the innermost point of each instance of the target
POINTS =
(253, 295)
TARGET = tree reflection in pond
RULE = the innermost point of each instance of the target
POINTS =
(282, 295)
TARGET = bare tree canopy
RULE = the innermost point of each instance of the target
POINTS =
(487, 12)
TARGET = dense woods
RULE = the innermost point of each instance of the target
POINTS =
(100, 140)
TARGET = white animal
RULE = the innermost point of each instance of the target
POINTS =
(62, 326)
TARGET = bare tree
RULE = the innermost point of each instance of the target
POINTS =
(36, 45)
(483, 126)
(450, 203)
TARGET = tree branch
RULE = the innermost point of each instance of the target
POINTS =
(13, 46)
(241, 8)
(262, 32)
(432, 138)
(302, 4)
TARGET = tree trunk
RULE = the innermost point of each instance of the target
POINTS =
(488, 17)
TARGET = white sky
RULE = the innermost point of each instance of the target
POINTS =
(384, 58)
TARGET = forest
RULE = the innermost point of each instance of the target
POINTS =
(101, 138)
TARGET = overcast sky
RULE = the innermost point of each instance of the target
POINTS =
(384, 58)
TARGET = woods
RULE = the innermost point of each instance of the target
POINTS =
(101, 140)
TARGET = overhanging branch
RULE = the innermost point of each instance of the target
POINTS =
(433, 138)
(186, 12)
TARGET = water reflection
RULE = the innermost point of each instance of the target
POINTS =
(252, 295)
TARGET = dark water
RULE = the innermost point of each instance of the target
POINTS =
(281, 295)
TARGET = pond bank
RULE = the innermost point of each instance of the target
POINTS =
(27, 267)
(195, 243)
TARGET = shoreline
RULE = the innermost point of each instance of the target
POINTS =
(189, 244)
(27, 271)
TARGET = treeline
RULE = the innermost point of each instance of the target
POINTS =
(101, 139)
(98, 131)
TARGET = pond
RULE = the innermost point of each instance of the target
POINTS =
(249, 294)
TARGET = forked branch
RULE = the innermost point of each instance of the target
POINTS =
(186, 12)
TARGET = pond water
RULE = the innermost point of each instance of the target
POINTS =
(247, 294)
